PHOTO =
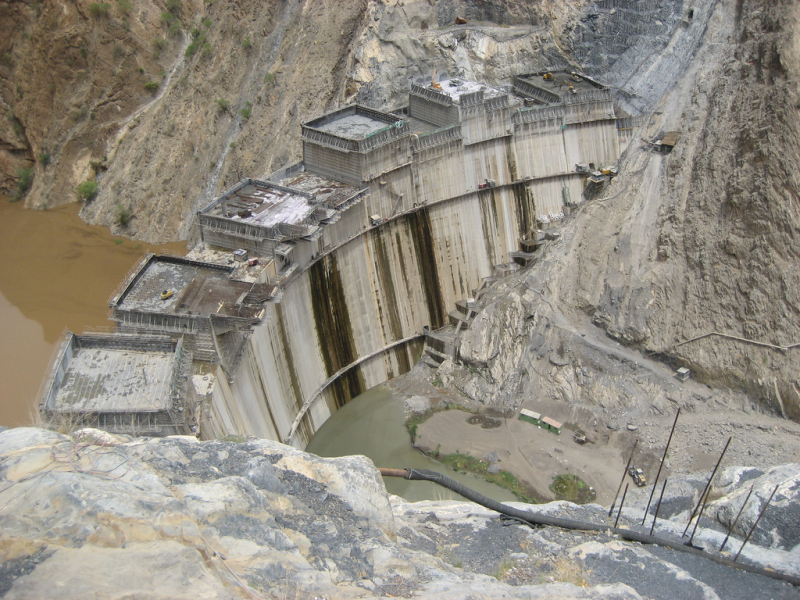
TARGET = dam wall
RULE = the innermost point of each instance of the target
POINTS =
(390, 220)
(384, 285)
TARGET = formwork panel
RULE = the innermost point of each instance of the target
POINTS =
(432, 112)
(335, 163)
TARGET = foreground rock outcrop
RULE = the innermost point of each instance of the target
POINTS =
(90, 515)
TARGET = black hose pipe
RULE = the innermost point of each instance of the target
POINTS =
(626, 534)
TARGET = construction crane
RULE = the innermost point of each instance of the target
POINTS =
(435, 85)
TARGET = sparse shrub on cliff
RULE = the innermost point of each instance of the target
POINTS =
(245, 112)
(271, 78)
(99, 9)
(87, 190)
(158, 46)
(124, 215)
(24, 180)
(246, 43)
(151, 86)
(208, 50)
(167, 19)
(124, 6)
(44, 158)
(174, 6)
(222, 103)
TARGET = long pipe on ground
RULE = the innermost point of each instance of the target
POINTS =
(704, 495)
(660, 466)
(538, 519)
(624, 473)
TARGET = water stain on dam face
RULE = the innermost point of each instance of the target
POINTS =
(334, 329)
(523, 199)
(389, 304)
(419, 224)
(304, 429)
(486, 200)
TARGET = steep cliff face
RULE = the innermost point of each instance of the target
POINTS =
(697, 241)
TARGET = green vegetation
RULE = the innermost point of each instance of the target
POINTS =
(222, 103)
(158, 46)
(44, 158)
(233, 437)
(124, 6)
(271, 78)
(417, 419)
(87, 190)
(124, 215)
(470, 464)
(117, 242)
(208, 50)
(99, 9)
(573, 488)
(246, 43)
(174, 6)
(24, 180)
(245, 112)
(151, 86)
(167, 19)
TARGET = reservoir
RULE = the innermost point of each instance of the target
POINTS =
(57, 273)
(373, 425)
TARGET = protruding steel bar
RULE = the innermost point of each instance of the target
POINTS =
(660, 498)
(621, 481)
(708, 493)
(736, 520)
(621, 504)
(655, 482)
(753, 528)
(703, 496)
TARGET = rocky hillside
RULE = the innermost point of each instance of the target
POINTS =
(700, 241)
(92, 515)
(167, 102)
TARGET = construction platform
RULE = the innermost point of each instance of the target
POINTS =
(124, 383)
(178, 286)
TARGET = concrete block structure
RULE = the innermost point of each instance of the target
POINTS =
(179, 297)
(121, 383)
(453, 140)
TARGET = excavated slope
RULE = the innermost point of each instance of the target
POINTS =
(681, 245)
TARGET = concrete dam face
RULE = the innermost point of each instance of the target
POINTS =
(462, 179)
(391, 222)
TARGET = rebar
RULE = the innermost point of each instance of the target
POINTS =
(666, 448)
(658, 507)
(753, 528)
(708, 485)
(621, 481)
(736, 520)
(621, 504)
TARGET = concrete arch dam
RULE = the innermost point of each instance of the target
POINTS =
(389, 221)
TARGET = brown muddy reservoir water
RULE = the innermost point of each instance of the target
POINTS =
(56, 273)
(373, 425)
